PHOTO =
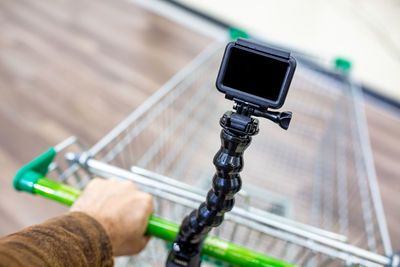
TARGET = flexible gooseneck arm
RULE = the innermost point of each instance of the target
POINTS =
(235, 138)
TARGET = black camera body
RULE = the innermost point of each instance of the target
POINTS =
(255, 74)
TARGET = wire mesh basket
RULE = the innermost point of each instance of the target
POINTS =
(308, 194)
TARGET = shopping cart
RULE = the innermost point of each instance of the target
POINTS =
(309, 195)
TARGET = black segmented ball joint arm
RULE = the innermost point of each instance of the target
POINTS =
(238, 127)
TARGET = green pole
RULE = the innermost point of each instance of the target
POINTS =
(32, 179)
(213, 247)
(56, 191)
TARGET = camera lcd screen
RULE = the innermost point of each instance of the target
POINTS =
(255, 74)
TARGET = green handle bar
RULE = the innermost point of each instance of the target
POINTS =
(31, 178)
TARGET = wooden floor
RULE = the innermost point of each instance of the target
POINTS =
(75, 68)
(80, 67)
(384, 131)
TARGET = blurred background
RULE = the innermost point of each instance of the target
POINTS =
(80, 67)
(365, 32)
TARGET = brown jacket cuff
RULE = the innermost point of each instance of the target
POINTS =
(74, 239)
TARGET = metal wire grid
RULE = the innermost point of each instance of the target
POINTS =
(315, 173)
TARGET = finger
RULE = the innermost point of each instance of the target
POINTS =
(114, 180)
(130, 184)
(148, 203)
(144, 241)
(94, 182)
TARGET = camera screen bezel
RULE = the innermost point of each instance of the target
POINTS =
(278, 55)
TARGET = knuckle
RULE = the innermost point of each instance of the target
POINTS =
(113, 180)
(148, 203)
(96, 180)
(143, 243)
(130, 185)
(147, 198)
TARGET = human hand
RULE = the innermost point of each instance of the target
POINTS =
(121, 209)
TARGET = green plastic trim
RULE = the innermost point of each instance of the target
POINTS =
(343, 64)
(212, 246)
(238, 256)
(28, 175)
(235, 33)
(60, 192)
(162, 229)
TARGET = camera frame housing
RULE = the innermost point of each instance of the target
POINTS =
(273, 55)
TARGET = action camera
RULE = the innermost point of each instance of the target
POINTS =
(255, 74)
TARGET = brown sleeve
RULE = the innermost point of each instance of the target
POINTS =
(74, 239)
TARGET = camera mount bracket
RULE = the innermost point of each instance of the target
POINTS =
(281, 118)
